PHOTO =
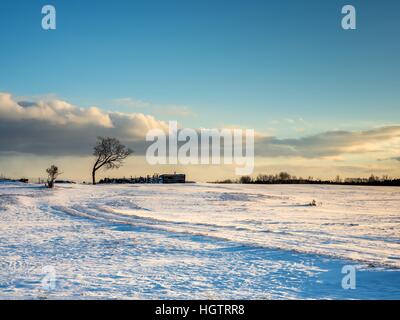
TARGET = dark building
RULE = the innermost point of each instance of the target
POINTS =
(173, 178)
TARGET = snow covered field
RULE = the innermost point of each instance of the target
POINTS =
(198, 241)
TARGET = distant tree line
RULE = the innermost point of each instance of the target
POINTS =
(148, 179)
(286, 178)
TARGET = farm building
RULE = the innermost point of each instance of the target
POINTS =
(173, 178)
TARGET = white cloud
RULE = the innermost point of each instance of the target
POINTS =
(159, 109)
(58, 127)
(332, 143)
(130, 103)
(55, 112)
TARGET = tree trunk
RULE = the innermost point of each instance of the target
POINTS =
(50, 184)
(94, 176)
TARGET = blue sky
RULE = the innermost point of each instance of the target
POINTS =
(284, 68)
(231, 62)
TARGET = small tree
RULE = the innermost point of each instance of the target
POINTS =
(110, 154)
(262, 178)
(245, 179)
(52, 173)
(284, 176)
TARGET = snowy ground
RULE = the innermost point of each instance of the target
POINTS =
(198, 241)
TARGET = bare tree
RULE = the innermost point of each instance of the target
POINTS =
(52, 173)
(245, 179)
(284, 176)
(110, 154)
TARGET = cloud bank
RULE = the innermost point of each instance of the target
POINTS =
(333, 143)
(59, 128)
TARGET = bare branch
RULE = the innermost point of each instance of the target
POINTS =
(52, 173)
(110, 154)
